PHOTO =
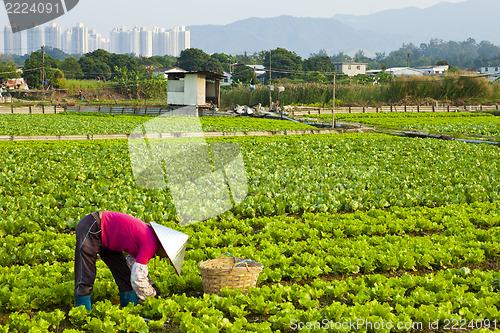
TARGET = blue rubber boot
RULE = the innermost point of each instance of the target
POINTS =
(83, 300)
(127, 297)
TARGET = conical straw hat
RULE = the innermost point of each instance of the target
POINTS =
(173, 242)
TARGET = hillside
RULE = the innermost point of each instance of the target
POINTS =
(379, 32)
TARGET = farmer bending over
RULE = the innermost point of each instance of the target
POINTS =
(109, 234)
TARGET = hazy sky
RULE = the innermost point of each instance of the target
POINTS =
(104, 15)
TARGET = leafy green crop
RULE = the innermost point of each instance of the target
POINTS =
(83, 124)
(463, 123)
(348, 227)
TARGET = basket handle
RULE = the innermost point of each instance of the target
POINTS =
(238, 261)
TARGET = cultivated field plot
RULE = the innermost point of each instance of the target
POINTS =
(457, 123)
(357, 232)
(83, 124)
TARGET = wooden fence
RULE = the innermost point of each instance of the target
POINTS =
(140, 110)
(303, 110)
(295, 111)
(31, 109)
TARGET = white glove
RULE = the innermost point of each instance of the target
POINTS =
(131, 261)
(140, 281)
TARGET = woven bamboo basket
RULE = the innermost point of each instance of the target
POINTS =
(236, 273)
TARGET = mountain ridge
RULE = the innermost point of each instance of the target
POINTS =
(384, 31)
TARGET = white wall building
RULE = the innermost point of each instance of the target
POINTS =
(350, 68)
(433, 70)
(493, 73)
(490, 70)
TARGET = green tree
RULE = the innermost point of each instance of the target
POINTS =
(341, 57)
(383, 78)
(242, 74)
(197, 60)
(8, 70)
(193, 59)
(214, 65)
(258, 58)
(32, 71)
(319, 63)
(141, 83)
(224, 59)
(285, 63)
(100, 63)
(94, 68)
(157, 61)
(71, 68)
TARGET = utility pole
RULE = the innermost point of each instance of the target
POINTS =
(270, 73)
(43, 67)
(333, 102)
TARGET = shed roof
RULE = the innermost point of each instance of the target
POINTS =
(209, 74)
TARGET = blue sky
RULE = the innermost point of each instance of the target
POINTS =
(104, 15)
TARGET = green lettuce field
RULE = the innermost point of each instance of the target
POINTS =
(356, 232)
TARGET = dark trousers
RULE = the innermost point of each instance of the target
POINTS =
(88, 245)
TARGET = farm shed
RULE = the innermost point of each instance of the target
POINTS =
(433, 70)
(166, 70)
(404, 71)
(200, 88)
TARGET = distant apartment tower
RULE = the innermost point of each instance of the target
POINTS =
(142, 42)
(34, 39)
(160, 41)
(119, 41)
(80, 39)
(146, 43)
(66, 41)
(53, 36)
(96, 41)
(11, 41)
(134, 41)
(184, 39)
(180, 40)
(114, 39)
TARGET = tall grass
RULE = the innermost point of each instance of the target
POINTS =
(448, 88)
(74, 86)
(417, 90)
(308, 94)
